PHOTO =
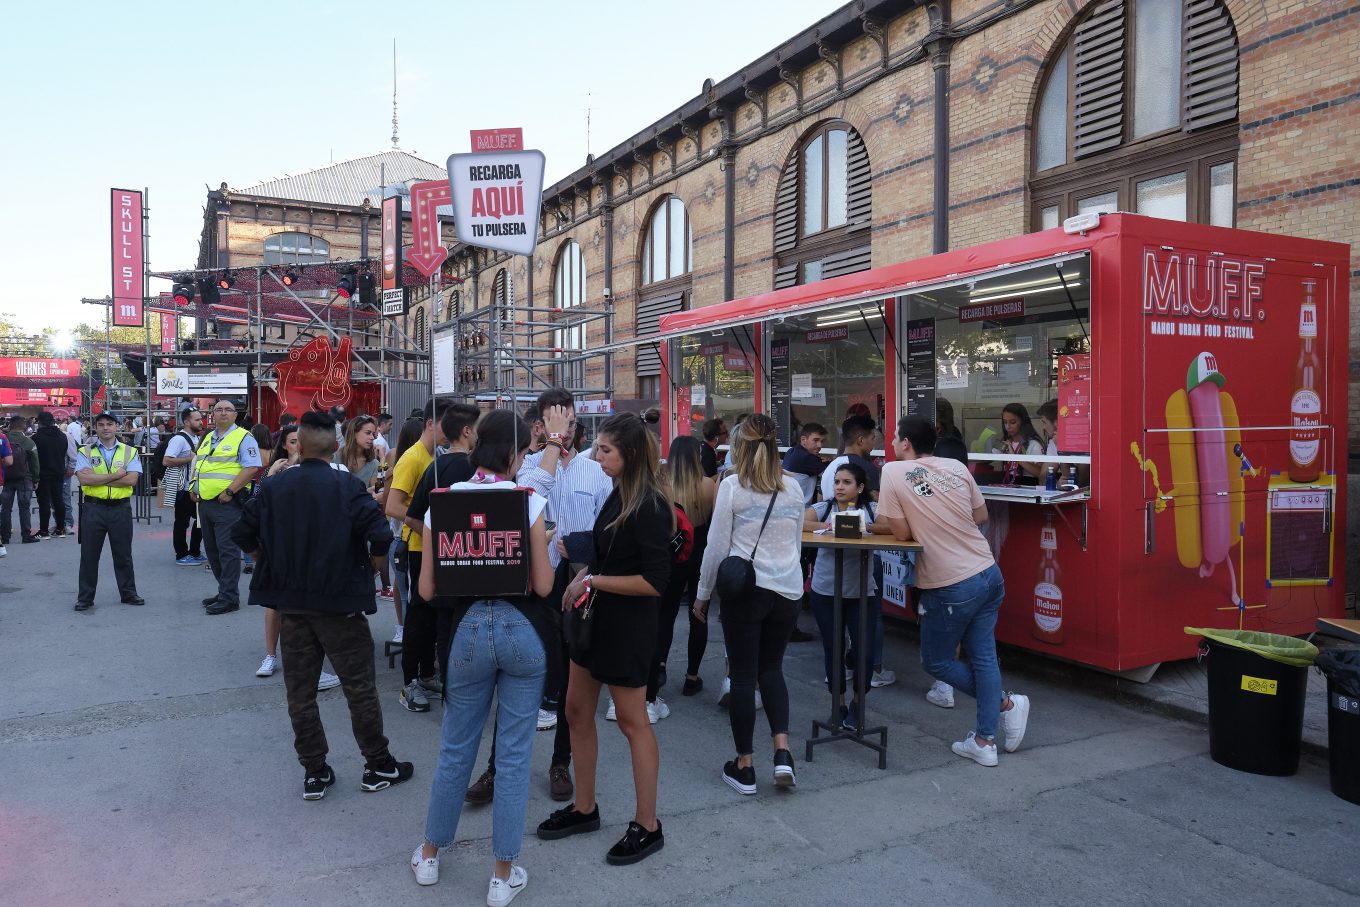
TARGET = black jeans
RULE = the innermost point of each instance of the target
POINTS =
(114, 521)
(420, 631)
(671, 597)
(757, 633)
(50, 504)
(186, 517)
(305, 640)
(20, 490)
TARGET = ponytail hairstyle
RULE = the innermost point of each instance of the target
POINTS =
(755, 455)
(857, 473)
(641, 475)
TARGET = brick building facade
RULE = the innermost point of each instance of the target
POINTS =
(940, 114)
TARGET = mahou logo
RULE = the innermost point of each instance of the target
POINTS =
(1200, 285)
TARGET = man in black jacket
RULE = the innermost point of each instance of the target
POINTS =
(51, 443)
(316, 535)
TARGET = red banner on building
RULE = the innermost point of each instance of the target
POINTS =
(391, 243)
(128, 257)
(39, 368)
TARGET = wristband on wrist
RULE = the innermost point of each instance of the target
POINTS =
(557, 437)
(586, 582)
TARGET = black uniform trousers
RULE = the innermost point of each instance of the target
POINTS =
(102, 518)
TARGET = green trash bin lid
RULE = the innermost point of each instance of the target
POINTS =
(1298, 653)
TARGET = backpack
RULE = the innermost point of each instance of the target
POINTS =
(158, 466)
(682, 543)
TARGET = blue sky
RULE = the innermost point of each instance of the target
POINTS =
(240, 92)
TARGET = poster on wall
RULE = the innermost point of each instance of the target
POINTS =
(921, 368)
(442, 367)
(1074, 403)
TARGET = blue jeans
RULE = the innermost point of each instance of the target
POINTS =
(494, 650)
(823, 610)
(966, 613)
(66, 503)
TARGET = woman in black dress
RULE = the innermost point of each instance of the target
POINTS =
(631, 567)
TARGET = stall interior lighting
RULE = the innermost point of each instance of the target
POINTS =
(1005, 288)
(847, 317)
(994, 296)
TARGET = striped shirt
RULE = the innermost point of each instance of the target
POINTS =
(575, 495)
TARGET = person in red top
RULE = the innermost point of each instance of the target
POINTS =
(935, 501)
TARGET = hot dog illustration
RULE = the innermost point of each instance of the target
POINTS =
(1207, 485)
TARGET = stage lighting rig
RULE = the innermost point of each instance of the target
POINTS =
(183, 291)
(225, 281)
(290, 278)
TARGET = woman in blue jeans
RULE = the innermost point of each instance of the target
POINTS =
(498, 649)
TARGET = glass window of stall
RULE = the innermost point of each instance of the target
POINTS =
(825, 367)
(714, 376)
(1003, 363)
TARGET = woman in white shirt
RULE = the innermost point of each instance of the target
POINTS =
(757, 628)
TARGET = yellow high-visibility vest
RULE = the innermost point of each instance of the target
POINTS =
(216, 466)
(122, 456)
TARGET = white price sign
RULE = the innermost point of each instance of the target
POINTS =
(496, 199)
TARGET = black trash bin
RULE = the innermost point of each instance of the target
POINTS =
(1342, 667)
(1257, 687)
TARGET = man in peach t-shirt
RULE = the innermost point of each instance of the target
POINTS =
(935, 501)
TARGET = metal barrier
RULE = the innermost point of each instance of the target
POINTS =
(144, 493)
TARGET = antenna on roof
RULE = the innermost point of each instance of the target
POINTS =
(394, 92)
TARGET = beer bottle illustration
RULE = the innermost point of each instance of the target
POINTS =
(1048, 597)
(1305, 408)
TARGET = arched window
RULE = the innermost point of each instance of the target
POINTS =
(455, 305)
(1138, 112)
(823, 208)
(668, 250)
(569, 291)
(503, 302)
(420, 328)
(295, 248)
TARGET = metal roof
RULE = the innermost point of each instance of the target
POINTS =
(349, 182)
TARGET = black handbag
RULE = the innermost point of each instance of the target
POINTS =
(736, 579)
(581, 620)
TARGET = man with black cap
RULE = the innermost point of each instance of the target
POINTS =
(107, 470)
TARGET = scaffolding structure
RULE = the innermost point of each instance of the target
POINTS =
(502, 350)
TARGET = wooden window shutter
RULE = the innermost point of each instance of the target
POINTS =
(649, 312)
(847, 262)
(1098, 52)
(786, 206)
(1210, 67)
(786, 276)
(859, 208)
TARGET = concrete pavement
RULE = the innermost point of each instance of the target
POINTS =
(145, 764)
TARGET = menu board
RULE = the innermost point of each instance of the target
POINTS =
(781, 389)
(921, 368)
(1074, 403)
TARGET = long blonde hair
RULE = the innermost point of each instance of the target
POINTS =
(684, 471)
(755, 455)
(641, 476)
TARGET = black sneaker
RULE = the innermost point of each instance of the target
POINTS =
(783, 769)
(567, 821)
(692, 686)
(381, 779)
(741, 780)
(221, 607)
(637, 844)
(315, 784)
(44, 536)
(30, 540)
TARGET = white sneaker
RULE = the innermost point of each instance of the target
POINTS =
(267, 666)
(726, 695)
(4, 552)
(609, 713)
(1014, 721)
(941, 694)
(883, 678)
(499, 893)
(328, 681)
(426, 869)
(396, 636)
(658, 710)
(969, 748)
(546, 720)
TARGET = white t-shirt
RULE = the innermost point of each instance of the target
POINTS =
(380, 445)
(179, 447)
(75, 431)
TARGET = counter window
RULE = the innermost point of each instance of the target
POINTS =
(1003, 364)
(826, 367)
(714, 374)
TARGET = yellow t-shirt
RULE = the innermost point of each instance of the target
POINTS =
(406, 475)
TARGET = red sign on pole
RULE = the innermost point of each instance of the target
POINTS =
(391, 243)
(497, 140)
(428, 253)
(128, 259)
(169, 331)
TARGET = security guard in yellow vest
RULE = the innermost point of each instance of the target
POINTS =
(107, 471)
(226, 462)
